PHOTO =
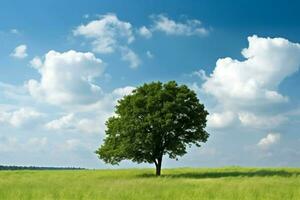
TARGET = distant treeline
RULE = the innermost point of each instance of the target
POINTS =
(37, 168)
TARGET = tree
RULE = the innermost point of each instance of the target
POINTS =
(156, 119)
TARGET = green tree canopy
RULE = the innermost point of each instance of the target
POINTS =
(155, 120)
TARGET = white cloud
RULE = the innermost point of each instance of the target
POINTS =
(250, 119)
(19, 117)
(12, 144)
(149, 54)
(98, 112)
(67, 78)
(145, 32)
(120, 92)
(107, 103)
(220, 120)
(131, 57)
(70, 122)
(65, 122)
(20, 52)
(13, 92)
(36, 63)
(95, 114)
(255, 80)
(170, 27)
(249, 88)
(201, 74)
(106, 33)
(109, 34)
(268, 141)
(91, 125)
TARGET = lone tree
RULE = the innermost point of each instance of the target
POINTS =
(156, 119)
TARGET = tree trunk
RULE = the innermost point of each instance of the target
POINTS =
(158, 166)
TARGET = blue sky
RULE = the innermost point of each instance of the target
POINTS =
(63, 66)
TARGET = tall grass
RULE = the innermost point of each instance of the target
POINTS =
(141, 184)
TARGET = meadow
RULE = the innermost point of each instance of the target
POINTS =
(184, 183)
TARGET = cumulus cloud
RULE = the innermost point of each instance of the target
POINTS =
(36, 63)
(201, 74)
(65, 122)
(220, 120)
(250, 119)
(243, 87)
(95, 121)
(188, 28)
(120, 92)
(268, 141)
(101, 111)
(106, 33)
(20, 52)
(131, 57)
(268, 61)
(109, 34)
(19, 117)
(70, 122)
(67, 78)
(13, 92)
(145, 32)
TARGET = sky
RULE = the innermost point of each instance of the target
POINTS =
(64, 65)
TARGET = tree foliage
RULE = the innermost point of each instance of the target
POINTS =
(156, 119)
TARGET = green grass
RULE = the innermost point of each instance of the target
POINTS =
(216, 183)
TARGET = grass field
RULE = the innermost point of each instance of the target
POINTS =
(216, 183)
